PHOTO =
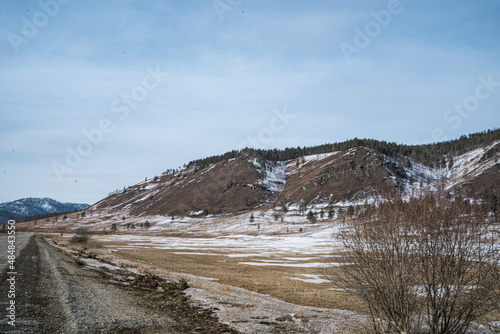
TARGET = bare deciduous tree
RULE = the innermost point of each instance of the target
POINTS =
(428, 260)
(457, 256)
(382, 269)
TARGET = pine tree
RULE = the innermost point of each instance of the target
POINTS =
(311, 217)
(350, 210)
(340, 213)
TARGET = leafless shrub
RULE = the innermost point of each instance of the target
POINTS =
(382, 269)
(182, 284)
(429, 259)
(457, 256)
(81, 236)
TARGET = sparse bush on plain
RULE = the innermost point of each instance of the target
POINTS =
(81, 236)
(430, 260)
(182, 284)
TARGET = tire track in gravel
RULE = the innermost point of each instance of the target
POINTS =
(55, 295)
(38, 309)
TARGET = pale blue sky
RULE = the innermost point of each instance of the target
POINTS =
(224, 70)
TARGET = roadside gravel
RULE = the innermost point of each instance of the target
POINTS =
(56, 293)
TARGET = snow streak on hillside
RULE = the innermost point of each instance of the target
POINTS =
(303, 161)
(465, 167)
(274, 175)
(470, 165)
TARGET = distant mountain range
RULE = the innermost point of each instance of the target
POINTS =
(28, 207)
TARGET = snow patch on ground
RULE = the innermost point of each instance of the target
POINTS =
(143, 198)
(302, 161)
(298, 265)
(195, 213)
(495, 324)
(321, 156)
(320, 241)
(310, 278)
(98, 264)
(369, 200)
(208, 169)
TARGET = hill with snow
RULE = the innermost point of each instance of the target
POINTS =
(341, 178)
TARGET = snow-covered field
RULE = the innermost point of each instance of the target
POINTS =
(299, 250)
(290, 261)
(294, 262)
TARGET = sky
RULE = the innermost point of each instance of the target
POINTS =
(98, 95)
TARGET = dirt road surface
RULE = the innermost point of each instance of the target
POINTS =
(21, 241)
(55, 293)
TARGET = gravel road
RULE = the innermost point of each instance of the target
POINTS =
(57, 293)
(21, 241)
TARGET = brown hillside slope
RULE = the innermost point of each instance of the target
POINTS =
(353, 175)
(227, 186)
(486, 183)
(236, 185)
(484, 178)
